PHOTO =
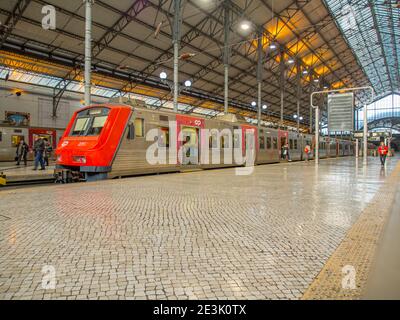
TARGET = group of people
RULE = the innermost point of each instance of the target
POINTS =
(286, 155)
(42, 150)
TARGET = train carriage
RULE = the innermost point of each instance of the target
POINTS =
(113, 140)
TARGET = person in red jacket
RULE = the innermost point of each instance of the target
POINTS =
(383, 151)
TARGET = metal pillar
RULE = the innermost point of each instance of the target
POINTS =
(226, 54)
(317, 135)
(298, 76)
(259, 75)
(88, 50)
(175, 41)
(357, 151)
(365, 136)
(282, 78)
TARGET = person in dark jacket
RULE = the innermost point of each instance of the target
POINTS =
(22, 152)
(38, 148)
(47, 151)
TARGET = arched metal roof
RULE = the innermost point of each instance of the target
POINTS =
(128, 57)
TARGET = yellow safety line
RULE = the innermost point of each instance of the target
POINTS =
(357, 250)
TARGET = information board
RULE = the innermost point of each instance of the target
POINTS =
(341, 112)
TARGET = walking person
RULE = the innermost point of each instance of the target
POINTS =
(38, 148)
(383, 151)
(22, 152)
(286, 152)
(307, 151)
(47, 151)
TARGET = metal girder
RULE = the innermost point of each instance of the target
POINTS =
(137, 7)
(12, 19)
(62, 86)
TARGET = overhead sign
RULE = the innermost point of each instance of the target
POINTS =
(341, 112)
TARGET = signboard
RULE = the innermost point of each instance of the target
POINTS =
(341, 112)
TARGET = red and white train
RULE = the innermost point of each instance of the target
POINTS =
(108, 141)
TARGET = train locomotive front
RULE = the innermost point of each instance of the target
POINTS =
(90, 142)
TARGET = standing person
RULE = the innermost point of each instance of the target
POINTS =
(307, 151)
(22, 152)
(38, 148)
(286, 149)
(47, 151)
(383, 151)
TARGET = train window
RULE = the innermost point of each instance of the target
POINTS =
(295, 144)
(290, 143)
(275, 142)
(262, 142)
(213, 140)
(225, 142)
(139, 127)
(131, 131)
(1, 136)
(15, 140)
(269, 143)
(80, 127)
(97, 125)
(236, 141)
(163, 140)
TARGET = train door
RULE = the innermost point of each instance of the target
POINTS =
(189, 139)
(50, 135)
(283, 138)
(190, 147)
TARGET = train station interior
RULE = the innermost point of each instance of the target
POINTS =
(199, 150)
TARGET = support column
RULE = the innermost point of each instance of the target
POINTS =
(298, 76)
(365, 136)
(88, 50)
(259, 75)
(176, 41)
(357, 151)
(282, 78)
(226, 54)
(317, 135)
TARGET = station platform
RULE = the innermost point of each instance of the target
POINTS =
(284, 232)
(21, 173)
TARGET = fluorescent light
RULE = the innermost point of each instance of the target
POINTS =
(188, 83)
(253, 103)
(295, 116)
(264, 106)
(290, 61)
(305, 72)
(272, 46)
(316, 80)
(301, 118)
(163, 75)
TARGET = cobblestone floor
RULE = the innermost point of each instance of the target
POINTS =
(197, 235)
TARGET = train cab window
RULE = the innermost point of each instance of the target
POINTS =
(80, 127)
(275, 143)
(97, 125)
(90, 122)
(139, 127)
(262, 142)
(269, 143)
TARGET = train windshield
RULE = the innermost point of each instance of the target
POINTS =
(90, 122)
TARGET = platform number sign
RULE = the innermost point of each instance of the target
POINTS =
(341, 112)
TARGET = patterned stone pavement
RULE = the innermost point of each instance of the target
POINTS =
(199, 235)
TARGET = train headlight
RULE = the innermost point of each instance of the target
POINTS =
(79, 159)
